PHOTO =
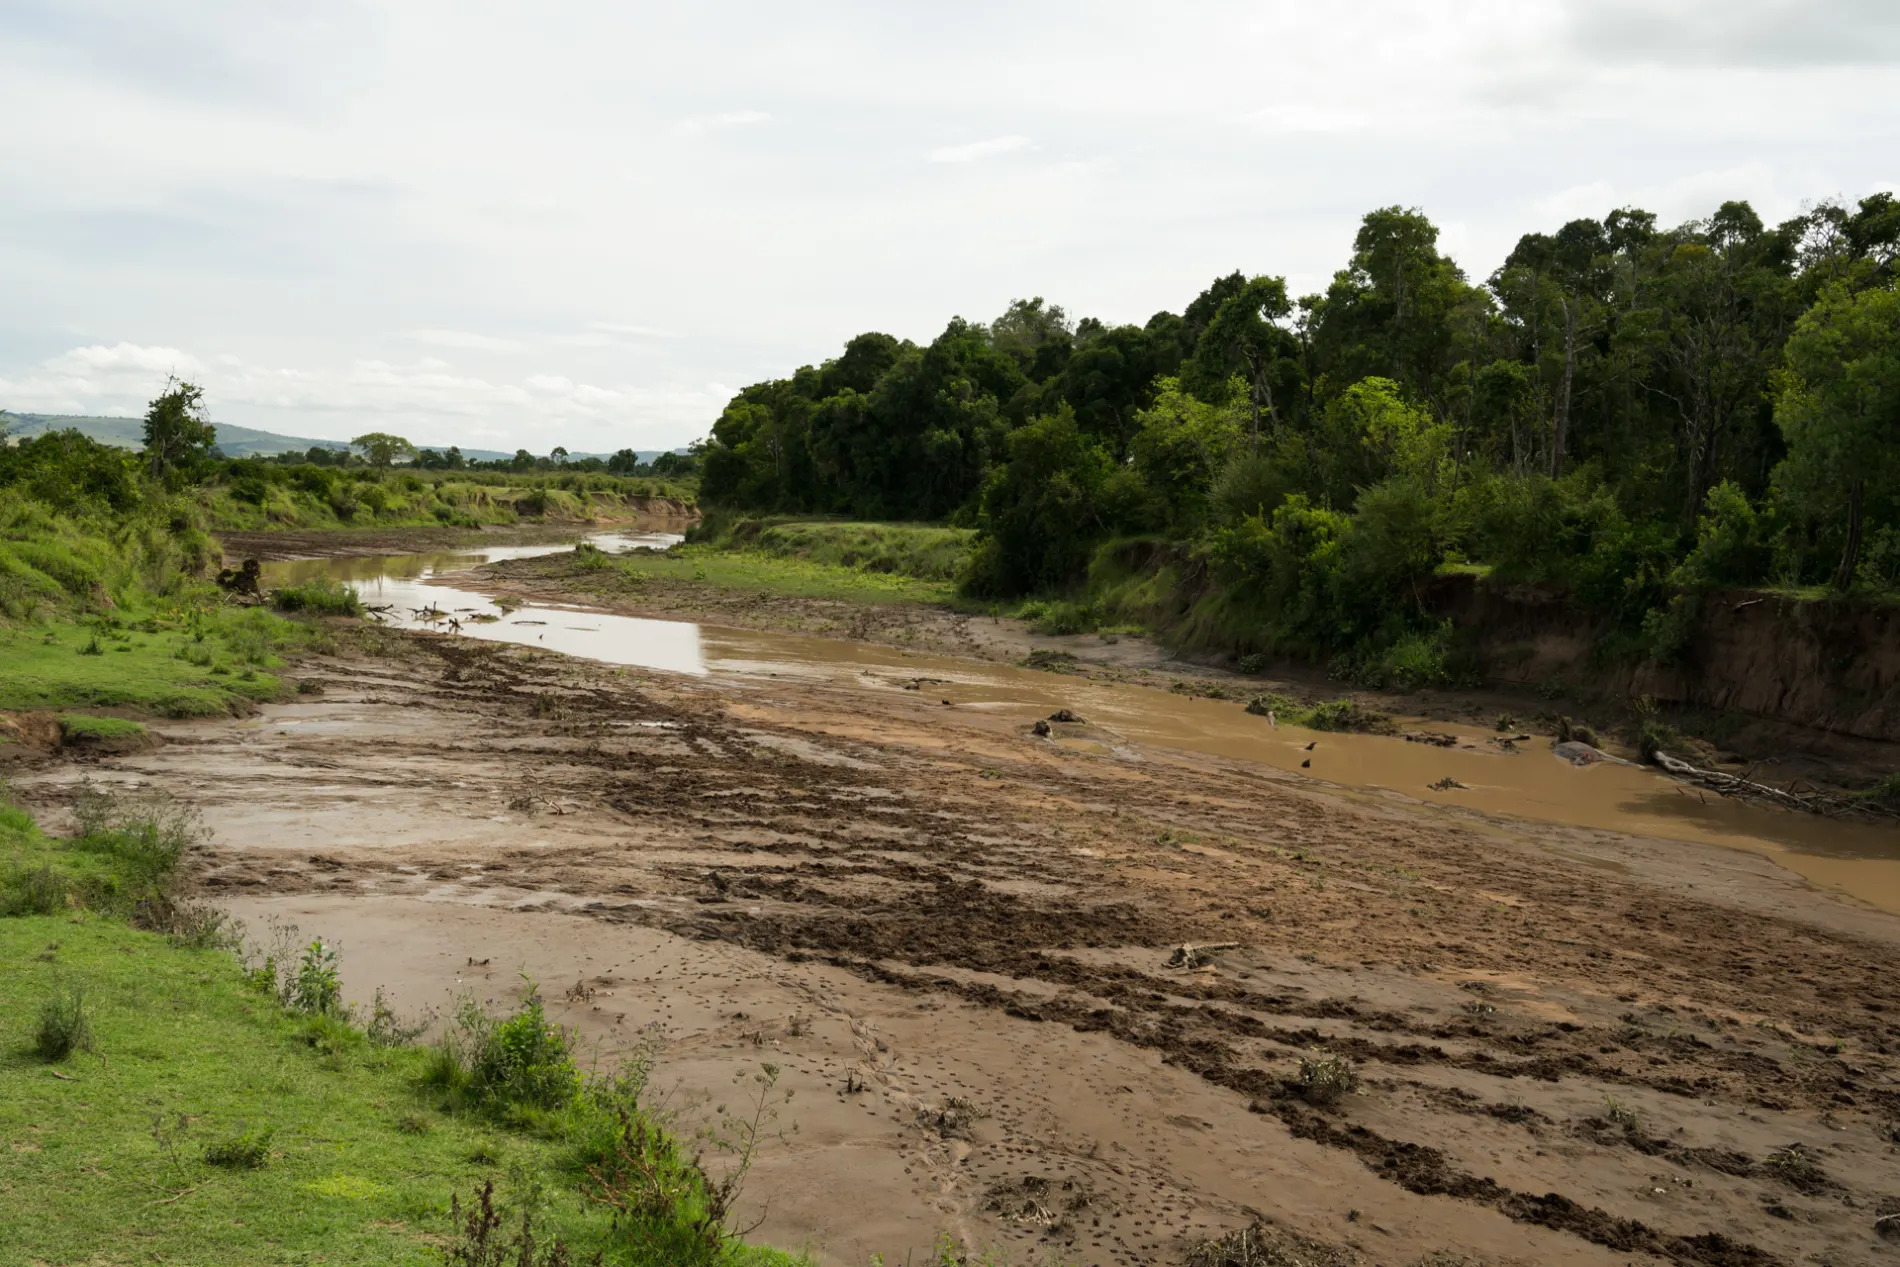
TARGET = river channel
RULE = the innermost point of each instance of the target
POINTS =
(439, 590)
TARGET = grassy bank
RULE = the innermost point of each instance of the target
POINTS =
(195, 661)
(210, 1113)
(741, 567)
(257, 496)
(922, 551)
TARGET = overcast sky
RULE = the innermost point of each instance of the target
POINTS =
(588, 223)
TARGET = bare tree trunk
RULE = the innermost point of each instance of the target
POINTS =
(1561, 428)
(1850, 553)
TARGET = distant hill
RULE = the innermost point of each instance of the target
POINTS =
(236, 442)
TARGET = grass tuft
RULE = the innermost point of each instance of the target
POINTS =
(65, 1023)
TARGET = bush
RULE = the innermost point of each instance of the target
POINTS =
(247, 1150)
(1060, 618)
(36, 891)
(522, 1061)
(1347, 715)
(317, 985)
(65, 1024)
(319, 597)
(1325, 1079)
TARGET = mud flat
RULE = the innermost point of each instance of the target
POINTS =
(960, 942)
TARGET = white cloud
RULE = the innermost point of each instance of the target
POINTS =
(722, 121)
(978, 149)
(1303, 116)
(465, 339)
(1578, 201)
(305, 202)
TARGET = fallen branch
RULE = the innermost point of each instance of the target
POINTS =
(1740, 786)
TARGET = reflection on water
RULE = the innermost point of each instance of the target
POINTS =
(402, 590)
(1531, 784)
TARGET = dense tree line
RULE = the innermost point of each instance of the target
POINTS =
(1622, 408)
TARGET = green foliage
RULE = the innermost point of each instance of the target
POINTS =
(1043, 511)
(178, 436)
(925, 551)
(1729, 548)
(65, 1023)
(1836, 407)
(320, 596)
(79, 728)
(249, 1149)
(316, 987)
(502, 1065)
(1594, 418)
(383, 449)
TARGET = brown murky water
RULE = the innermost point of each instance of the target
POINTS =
(428, 590)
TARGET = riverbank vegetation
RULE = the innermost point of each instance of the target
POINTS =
(217, 1104)
(1625, 412)
(108, 565)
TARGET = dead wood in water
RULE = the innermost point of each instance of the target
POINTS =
(1740, 786)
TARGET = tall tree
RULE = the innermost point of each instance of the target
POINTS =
(1245, 337)
(176, 429)
(1839, 407)
(383, 449)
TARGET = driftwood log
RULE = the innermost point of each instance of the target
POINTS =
(1811, 801)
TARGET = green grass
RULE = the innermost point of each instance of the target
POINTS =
(925, 551)
(319, 597)
(316, 499)
(190, 662)
(748, 570)
(159, 1103)
(81, 726)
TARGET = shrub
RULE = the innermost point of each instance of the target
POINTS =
(1061, 618)
(317, 986)
(319, 597)
(65, 1024)
(1347, 715)
(1325, 1079)
(247, 1150)
(1569, 731)
(39, 891)
(521, 1061)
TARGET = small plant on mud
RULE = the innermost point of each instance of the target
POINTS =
(1325, 1079)
(246, 1150)
(1506, 723)
(1796, 1167)
(1621, 1114)
(317, 987)
(65, 1023)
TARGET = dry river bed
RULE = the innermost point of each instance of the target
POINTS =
(954, 939)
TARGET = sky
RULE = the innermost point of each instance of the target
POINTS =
(587, 223)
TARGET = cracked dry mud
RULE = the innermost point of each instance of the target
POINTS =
(954, 939)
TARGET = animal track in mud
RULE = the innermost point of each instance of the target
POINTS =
(906, 874)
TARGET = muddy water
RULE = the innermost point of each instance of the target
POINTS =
(1119, 720)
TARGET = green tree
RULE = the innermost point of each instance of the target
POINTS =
(1245, 338)
(383, 449)
(176, 429)
(1838, 406)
